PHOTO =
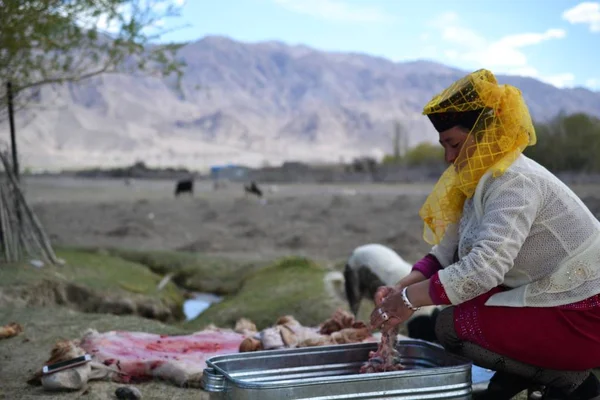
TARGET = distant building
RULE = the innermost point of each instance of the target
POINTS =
(230, 172)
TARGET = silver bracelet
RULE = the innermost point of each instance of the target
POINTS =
(407, 302)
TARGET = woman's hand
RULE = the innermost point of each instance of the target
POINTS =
(381, 293)
(391, 310)
(412, 278)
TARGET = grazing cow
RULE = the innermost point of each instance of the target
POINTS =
(184, 186)
(253, 189)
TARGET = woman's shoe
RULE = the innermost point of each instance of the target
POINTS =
(503, 386)
(588, 390)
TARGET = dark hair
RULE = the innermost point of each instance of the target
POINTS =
(446, 120)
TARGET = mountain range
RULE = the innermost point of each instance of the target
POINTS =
(251, 104)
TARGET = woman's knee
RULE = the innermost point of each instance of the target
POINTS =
(444, 328)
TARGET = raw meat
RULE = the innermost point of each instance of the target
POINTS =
(340, 320)
(245, 327)
(287, 332)
(386, 358)
(10, 330)
(142, 356)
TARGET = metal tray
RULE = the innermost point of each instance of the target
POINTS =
(331, 373)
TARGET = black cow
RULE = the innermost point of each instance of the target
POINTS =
(184, 186)
(253, 189)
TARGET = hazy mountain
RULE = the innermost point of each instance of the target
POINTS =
(250, 104)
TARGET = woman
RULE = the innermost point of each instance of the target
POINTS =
(515, 256)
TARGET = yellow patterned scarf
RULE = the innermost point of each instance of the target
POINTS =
(499, 136)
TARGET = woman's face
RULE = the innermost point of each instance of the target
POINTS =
(452, 140)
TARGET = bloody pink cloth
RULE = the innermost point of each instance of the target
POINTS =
(427, 265)
(140, 356)
(565, 337)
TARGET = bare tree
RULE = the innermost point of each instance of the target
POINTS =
(46, 42)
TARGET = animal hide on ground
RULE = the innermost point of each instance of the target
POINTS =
(140, 356)
(129, 357)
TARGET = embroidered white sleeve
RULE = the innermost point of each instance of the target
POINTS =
(444, 251)
(510, 205)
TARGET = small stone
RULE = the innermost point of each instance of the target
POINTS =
(128, 393)
(68, 379)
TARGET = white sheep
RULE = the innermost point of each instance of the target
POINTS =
(371, 266)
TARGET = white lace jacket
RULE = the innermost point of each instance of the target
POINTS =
(528, 231)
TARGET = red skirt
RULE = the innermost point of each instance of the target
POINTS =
(563, 338)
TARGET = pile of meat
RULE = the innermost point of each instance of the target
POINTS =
(341, 328)
(287, 332)
(386, 358)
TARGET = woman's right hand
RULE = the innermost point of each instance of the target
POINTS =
(383, 291)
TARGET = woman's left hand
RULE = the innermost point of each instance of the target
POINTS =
(391, 312)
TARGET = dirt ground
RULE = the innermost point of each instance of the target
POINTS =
(321, 222)
(317, 221)
(19, 354)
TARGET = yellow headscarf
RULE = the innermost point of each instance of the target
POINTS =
(500, 134)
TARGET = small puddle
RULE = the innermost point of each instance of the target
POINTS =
(198, 304)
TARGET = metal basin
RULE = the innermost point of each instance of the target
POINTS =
(331, 373)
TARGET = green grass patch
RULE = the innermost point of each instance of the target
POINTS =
(193, 271)
(106, 272)
(100, 272)
(291, 286)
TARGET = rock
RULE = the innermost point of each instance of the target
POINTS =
(128, 393)
(68, 379)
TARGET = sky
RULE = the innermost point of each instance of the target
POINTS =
(556, 41)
